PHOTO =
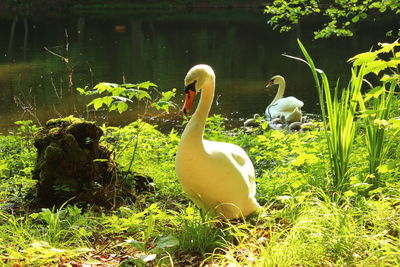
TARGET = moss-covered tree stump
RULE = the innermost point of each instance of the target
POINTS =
(72, 164)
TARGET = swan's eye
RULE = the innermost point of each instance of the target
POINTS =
(191, 87)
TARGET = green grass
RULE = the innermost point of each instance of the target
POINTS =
(302, 222)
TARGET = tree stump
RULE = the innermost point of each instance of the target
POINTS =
(71, 164)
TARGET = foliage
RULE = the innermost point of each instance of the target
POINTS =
(117, 96)
(341, 16)
(16, 163)
(200, 235)
(377, 104)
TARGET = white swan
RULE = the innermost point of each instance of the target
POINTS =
(288, 107)
(218, 177)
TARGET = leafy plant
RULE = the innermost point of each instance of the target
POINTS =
(376, 105)
(117, 96)
(198, 235)
(162, 246)
(16, 163)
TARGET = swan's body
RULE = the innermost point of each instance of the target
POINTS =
(218, 177)
(289, 107)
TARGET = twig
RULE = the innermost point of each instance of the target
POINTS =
(66, 60)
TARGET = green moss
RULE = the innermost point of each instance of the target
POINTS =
(52, 153)
(66, 161)
(52, 123)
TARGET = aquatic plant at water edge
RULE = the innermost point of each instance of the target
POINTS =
(340, 114)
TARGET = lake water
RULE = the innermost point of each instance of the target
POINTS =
(239, 44)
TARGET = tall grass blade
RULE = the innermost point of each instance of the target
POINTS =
(338, 118)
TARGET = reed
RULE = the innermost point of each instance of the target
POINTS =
(338, 115)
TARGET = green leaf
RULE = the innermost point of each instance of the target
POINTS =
(374, 93)
(139, 94)
(304, 158)
(386, 47)
(384, 168)
(350, 193)
(117, 90)
(390, 78)
(167, 242)
(375, 66)
(107, 100)
(122, 107)
(101, 87)
(166, 96)
(97, 103)
(363, 58)
(81, 91)
(136, 244)
(146, 85)
(355, 19)
(164, 105)
(100, 160)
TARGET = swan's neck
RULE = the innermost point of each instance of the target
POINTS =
(281, 90)
(193, 133)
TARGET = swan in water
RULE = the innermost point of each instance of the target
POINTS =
(289, 107)
(218, 177)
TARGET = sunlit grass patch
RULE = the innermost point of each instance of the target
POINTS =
(46, 237)
(319, 232)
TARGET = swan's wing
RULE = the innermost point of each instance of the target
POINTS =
(239, 160)
(287, 104)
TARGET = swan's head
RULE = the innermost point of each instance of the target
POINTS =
(194, 82)
(277, 79)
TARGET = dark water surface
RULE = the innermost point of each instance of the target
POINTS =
(239, 44)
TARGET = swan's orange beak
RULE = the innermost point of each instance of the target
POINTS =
(188, 101)
(270, 83)
(190, 91)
